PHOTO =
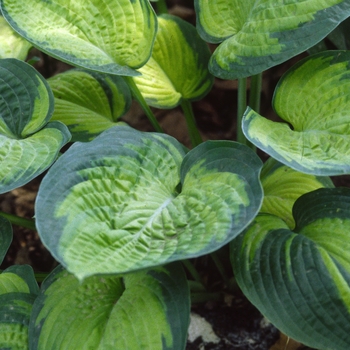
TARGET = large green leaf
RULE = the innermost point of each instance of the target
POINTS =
(313, 98)
(89, 102)
(121, 203)
(301, 280)
(144, 310)
(28, 143)
(11, 44)
(5, 237)
(283, 186)
(110, 36)
(178, 66)
(18, 290)
(258, 34)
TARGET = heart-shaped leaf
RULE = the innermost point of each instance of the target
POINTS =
(314, 98)
(110, 36)
(116, 205)
(89, 102)
(283, 186)
(144, 310)
(18, 290)
(11, 44)
(178, 66)
(258, 34)
(301, 280)
(5, 237)
(28, 143)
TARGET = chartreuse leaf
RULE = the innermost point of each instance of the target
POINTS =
(5, 237)
(18, 290)
(28, 143)
(313, 98)
(89, 102)
(143, 310)
(116, 205)
(283, 186)
(11, 44)
(178, 66)
(300, 280)
(258, 34)
(110, 36)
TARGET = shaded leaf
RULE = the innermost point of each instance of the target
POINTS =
(107, 36)
(89, 102)
(116, 205)
(258, 34)
(313, 98)
(300, 280)
(144, 310)
(5, 237)
(283, 186)
(178, 67)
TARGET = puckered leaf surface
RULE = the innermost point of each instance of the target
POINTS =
(300, 280)
(121, 203)
(313, 98)
(28, 143)
(89, 102)
(178, 68)
(110, 36)
(258, 34)
(145, 310)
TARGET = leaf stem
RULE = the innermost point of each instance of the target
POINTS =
(242, 106)
(255, 92)
(16, 220)
(195, 136)
(139, 98)
(220, 268)
(193, 271)
(162, 7)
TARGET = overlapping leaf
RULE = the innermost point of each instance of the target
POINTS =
(178, 66)
(143, 310)
(301, 280)
(28, 143)
(120, 202)
(283, 186)
(313, 98)
(259, 34)
(89, 103)
(18, 290)
(11, 44)
(110, 36)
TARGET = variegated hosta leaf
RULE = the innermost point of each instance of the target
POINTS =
(301, 280)
(5, 237)
(18, 290)
(89, 102)
(110, 36)
(11, 44)
(144, 310)
(313, 98)
(116, 206)
(283, 186)
(28, 143)
(258, 34)
(178, 66)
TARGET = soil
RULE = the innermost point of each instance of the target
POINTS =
(234, 321)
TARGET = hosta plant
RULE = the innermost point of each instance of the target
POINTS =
(123, 211)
